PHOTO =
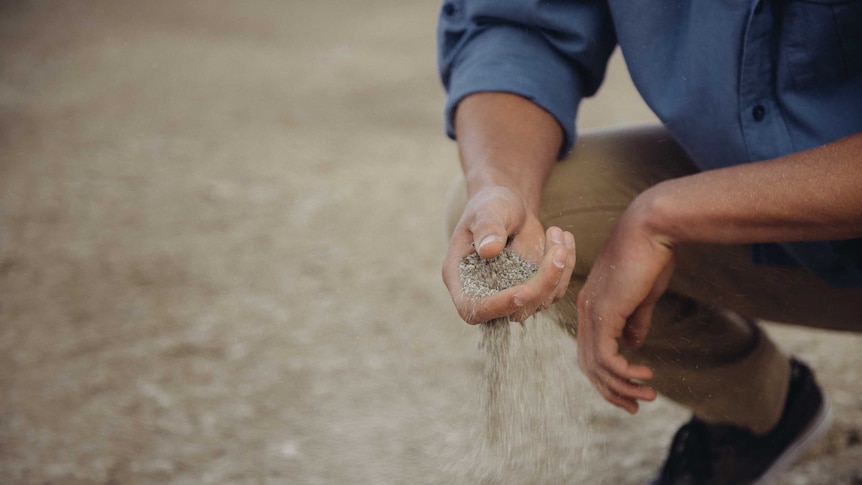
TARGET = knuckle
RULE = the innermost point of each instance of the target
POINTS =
(468, 315)
(527, 294)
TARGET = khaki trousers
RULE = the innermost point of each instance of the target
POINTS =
(707, 352)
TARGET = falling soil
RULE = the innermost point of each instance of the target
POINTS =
(528, 396)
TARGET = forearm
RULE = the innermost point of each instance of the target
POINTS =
(506, 140)
(811, 195)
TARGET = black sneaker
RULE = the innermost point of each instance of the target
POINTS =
(703, 453)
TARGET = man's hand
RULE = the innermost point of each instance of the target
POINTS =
(508, 146)
(616, 304)
(492, 217)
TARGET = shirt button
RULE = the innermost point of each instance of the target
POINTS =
(449, 9)
(758, 112)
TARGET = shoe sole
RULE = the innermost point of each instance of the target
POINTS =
(811, 435)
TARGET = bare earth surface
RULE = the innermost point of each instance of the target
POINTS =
(220, 238)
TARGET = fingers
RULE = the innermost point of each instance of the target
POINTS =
(476, 310)
(639, 323)
(623, 393)
(491, 219)
(481, 310)
(638, 326)
(519, 302)
(552, 279)
(626, 395)
(558, 236)
(618, 381)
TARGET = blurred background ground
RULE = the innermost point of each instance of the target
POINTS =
(220, 234)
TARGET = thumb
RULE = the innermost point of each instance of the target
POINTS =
(489, 236)
(637, 327)
(638, 324)
(495, 215)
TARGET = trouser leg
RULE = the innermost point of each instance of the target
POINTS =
(706, 350)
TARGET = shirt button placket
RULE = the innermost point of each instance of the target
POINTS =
(765, 136)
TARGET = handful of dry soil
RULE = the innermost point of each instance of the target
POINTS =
(483, 277)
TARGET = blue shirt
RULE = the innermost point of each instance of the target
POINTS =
(735, 81)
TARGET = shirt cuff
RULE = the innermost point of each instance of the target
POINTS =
(514, 60)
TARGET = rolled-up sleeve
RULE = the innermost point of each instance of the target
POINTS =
(553, 53)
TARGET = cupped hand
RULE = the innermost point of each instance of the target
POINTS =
(615, 306)
(494, 217)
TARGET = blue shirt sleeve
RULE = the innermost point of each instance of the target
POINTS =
(553, 53)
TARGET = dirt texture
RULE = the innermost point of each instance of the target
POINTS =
(220, 242)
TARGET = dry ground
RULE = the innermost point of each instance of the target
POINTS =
(220, 232)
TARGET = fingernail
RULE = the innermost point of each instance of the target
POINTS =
(488, 239)
(557, 235)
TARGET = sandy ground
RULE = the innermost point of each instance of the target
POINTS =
(220, 233)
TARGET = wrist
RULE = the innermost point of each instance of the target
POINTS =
(652, 214)
(529, 191)
(505, 140)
